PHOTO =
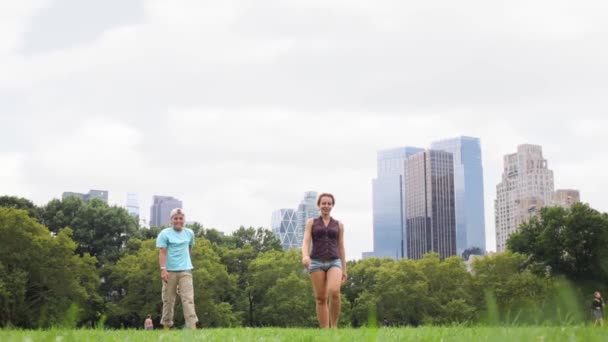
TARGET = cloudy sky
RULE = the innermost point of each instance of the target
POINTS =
(238, 107)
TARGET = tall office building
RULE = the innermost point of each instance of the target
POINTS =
(99, 194)
(526, 186)
(468, 191)
(160, 211)
(133, 205)
(306, 210)
(289, 225)
(430, 214)
(285, 228)
(389, 202)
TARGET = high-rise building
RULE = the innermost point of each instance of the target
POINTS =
(285, 228)
(306, 210)
(160, 211)
(526, 186)
(468, 191)
(288, 225)
(367, 255)
(133, 205)
(389, 202)
(430, 214)
(100, 194)
(565, 197)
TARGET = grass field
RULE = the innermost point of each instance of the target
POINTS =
(543, 334)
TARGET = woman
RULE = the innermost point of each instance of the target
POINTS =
(597, 306)
(327, 262)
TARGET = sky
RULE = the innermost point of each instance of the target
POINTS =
(239, 107)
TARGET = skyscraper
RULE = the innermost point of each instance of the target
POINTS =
(526, 186)
(306, 210)
(289, 225)
(284, 226)
(160, 211)
(430, 214)
(389, 201)
(133, 205)
(100, 194)
(468, 191)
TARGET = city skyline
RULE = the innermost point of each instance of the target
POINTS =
(567, 196)
(271, 105)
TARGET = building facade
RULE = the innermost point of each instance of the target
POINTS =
(284, 225)
(289, 224)
(389, 202)
(468, 191)
(565, 198)
(160, 211)
(527, 185)
(133, 205)
(430, 209)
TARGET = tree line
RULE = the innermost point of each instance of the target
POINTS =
(87, 264)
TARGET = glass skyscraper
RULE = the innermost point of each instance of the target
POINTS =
(288, 225)
(389, 201)
(430, 204)
(284, 227)
(133, 205)
(468, 189)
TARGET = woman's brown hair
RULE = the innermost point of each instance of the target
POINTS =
(325, 194)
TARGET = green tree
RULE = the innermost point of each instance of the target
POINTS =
(292, 303)
(449, 298)
(58, 214)
(262, 240)
(237, 251)
(361, 277)
(265, 272)
(43, 280)
(572, 242)
(506, 291)
(21, 203)
(99, 229)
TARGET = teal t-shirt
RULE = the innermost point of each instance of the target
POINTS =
(178, 245)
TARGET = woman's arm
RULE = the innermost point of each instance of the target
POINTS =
(306, 244)
(342, 252)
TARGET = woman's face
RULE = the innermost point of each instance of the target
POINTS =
(598, 295)
(325, 205)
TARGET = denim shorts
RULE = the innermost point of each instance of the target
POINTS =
(322, 265)
(598, 314)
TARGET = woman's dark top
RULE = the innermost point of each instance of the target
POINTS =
(325, 239)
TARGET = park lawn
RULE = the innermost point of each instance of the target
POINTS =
(468, 334)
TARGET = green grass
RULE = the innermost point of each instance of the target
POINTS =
(544, 334)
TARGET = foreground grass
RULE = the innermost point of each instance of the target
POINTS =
(544, 334)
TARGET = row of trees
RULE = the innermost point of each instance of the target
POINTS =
(71, 263)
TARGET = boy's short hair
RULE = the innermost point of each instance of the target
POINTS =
(177, 211)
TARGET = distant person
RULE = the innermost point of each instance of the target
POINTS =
(386, 322)
(327, 262)
(175, 245)
(597, 307)
(148, 324)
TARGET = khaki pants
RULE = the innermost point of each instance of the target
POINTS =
(186, 293)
